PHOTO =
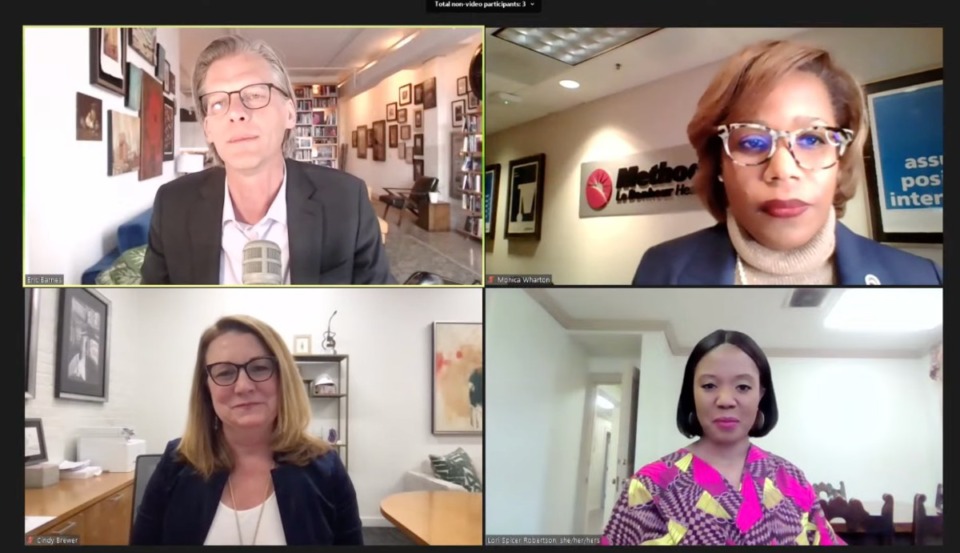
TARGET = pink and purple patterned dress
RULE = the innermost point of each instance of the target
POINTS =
(682, 500)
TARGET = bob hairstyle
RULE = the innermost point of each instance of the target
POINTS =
(686, 405)
(202, 445)
(233, 45)
(747, 79)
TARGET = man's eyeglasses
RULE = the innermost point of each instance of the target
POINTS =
(254, 96)
(817, 147)
(258, 369)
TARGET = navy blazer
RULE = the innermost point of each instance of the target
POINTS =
(707, 258)
(318, 505)
(333, 231)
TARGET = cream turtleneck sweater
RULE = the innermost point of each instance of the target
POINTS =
(810, 264)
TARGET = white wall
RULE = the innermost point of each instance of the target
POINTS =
(651, 117)
(72, 207)
(371, 105)
(63, 417)
(535, 401)
(386, 332)
(873, 423)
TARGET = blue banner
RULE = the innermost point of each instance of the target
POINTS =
(908, 127)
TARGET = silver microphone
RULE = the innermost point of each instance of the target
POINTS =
(262, 263)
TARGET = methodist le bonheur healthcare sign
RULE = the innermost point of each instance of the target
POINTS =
(646, 183)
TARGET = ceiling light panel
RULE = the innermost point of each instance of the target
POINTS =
(572, 45)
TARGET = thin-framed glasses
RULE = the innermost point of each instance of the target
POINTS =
(258, 369)
(254, 96)
(817, 147)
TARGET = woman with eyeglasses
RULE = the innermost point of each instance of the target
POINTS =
(779, 136)
(247, 471)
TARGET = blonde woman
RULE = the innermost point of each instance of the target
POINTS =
(247, 471)
(779, 135)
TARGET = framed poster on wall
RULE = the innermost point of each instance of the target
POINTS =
(525, 197)
(491, 186)
(904, 158)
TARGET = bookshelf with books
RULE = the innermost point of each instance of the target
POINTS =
(468, 174)
(317, 124)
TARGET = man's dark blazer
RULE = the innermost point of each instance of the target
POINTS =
(318, 503)
(707, 258)
(334, 233)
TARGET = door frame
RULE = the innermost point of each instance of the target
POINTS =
(594, 380)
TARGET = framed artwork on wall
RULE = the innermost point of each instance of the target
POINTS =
(379, 140)
(32, 328)
(903, 158)
(169, 128)
(392, 136)
(35, 445)
(143, 41)
(525, 197)
(108, 58)
(392, 111)
(457, 390)
(491, 187)
(362, 142)
(151, 128)
(123, 143)
(83, 345)
(405, 94)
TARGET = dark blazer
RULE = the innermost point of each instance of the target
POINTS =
(318, 504)
(707, 258)
(334, 233)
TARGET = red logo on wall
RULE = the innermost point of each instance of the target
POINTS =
(599, 189)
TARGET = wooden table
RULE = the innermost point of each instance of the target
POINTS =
(437, 518)
(433, 217)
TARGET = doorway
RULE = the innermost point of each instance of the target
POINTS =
(607, 447)
(601, 482)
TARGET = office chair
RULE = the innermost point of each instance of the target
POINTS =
(146, 464)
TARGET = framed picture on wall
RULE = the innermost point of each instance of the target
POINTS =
(32, 328)
(491, 186)
(392, 135)
(35, 445)
(405, 94)
(143, 40)
(83, 345)
(108, 58)
(904, 168)
(353, 138)
(379, 140)
(362, 142)
(457, 391)
(169, 128)
(525, 197)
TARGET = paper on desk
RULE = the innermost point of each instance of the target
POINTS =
(80, 474)
(33, 523)
(73, 465)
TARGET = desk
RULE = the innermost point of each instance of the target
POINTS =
(96, 511)
(437, 518)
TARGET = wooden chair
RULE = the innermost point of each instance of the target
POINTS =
(408, 198)
(860, 527)
(927, 529)
(829, 490)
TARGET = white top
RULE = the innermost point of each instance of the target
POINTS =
(223, 531)
(272, 227)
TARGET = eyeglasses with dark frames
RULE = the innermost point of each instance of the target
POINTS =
(254, 96)
(816, 147)
(258, 369)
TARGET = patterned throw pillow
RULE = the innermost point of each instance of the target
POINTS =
(126, 269)
(457, 468)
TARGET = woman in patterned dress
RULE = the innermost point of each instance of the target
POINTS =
(721, 489)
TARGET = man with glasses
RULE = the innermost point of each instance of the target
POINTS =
(320, 219)
(779, 136)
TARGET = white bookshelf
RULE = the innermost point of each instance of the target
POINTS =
(317, 128)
